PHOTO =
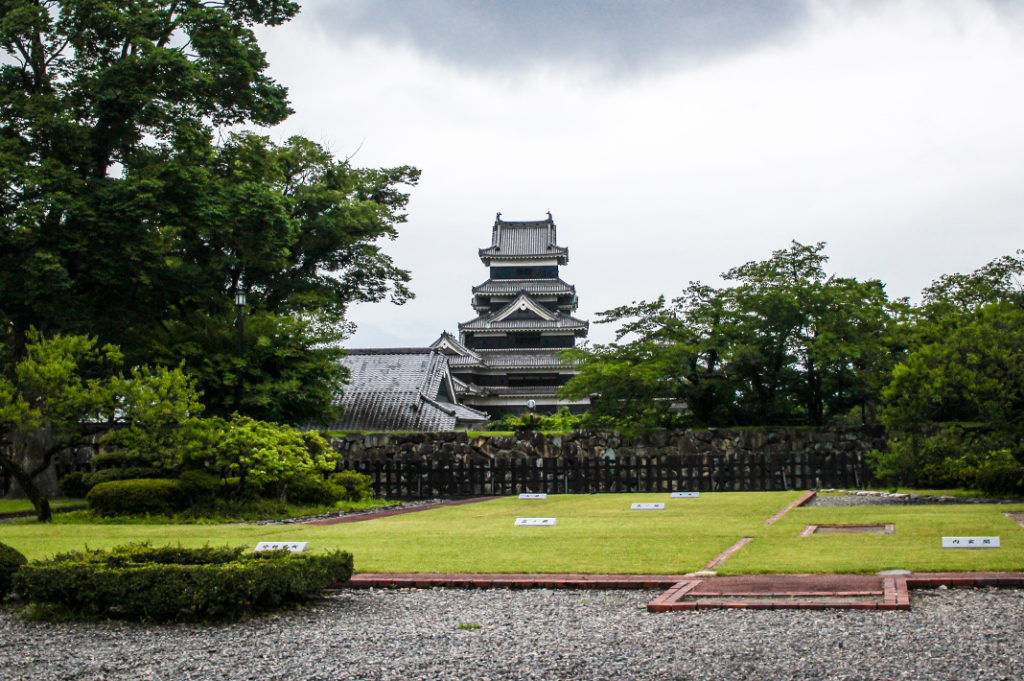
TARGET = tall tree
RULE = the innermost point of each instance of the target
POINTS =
(120, 217)
(807, 346)
(786, 343)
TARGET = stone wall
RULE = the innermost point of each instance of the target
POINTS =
(777, 443)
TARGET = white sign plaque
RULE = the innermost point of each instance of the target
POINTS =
(647, 507)
(538, 495)
(293, 546)
(970, 542)
(535, 522)
(685, 495)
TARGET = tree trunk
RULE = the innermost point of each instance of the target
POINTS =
(30, 488)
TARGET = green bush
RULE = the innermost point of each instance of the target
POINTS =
(136, 497)
(999, 473)
(307, 489)
(198, 487)
(75, 485)
(10, 561)
(121, 459)
(354, 486)
(163, 584)
(78, 484)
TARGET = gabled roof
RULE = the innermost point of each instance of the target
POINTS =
(543, 319)
(524, 240)
(452, 346)
(401, 389)
(524, 303)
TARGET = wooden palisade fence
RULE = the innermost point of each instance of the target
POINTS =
(425, 479)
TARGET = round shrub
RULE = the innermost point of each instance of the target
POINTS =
(120, 459)
(133, 473)
(10, 561)
(197, 486)
(75, 485)
(355, 486)
(311, 490)
(1000, 473)
(136, 497)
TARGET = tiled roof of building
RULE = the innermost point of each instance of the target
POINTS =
(534, 359)
(531, 239)
(513, 286)
(400, 389)
(541, 319)
(455, 349)
(564, 322)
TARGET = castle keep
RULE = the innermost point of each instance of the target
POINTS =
(507, 356)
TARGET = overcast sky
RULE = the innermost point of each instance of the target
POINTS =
(670, 140)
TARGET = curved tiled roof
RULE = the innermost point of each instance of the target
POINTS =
(513, 286)
(531, 239)
(399, 389)
(563, 323)
(513, 359)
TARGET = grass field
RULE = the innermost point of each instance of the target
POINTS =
(16, 505)
(598, 533)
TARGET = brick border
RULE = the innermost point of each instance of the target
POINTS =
(725, 555)
(893, 592)
(890, 528)
(807, 496)
(891, 595)
(394, 580)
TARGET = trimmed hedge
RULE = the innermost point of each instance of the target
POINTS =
(136, 497)
(355, 486)
(11, 561)
(78, 484)
(121, 459)
(164, 584)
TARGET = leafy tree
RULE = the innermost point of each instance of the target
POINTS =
(953, 408)
(785, 343)
(806, 345)
(67, 389)
(673, 355)
(262, 455)
(120, 218)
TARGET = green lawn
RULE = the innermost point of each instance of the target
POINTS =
(916, 544)
(15, 505)
(598, 533)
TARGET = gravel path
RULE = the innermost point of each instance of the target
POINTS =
(540, 634)
(852, 498)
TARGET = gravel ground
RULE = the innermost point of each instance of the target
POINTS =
(854, 498)
(538, 634)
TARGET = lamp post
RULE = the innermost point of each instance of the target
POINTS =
(239, 308)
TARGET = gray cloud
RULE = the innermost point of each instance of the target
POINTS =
(616, 35)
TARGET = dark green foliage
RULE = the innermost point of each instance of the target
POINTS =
(11, 561)
(965, 364)
(120, 459)
(564, 420)
(999, 473)
(784, 344)
(78, 484)
(133, 473)
(309, 489)
(354, 486)
(140, 582)
(198, 487)
(136, 497)
(114, 190)
(75, 485)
